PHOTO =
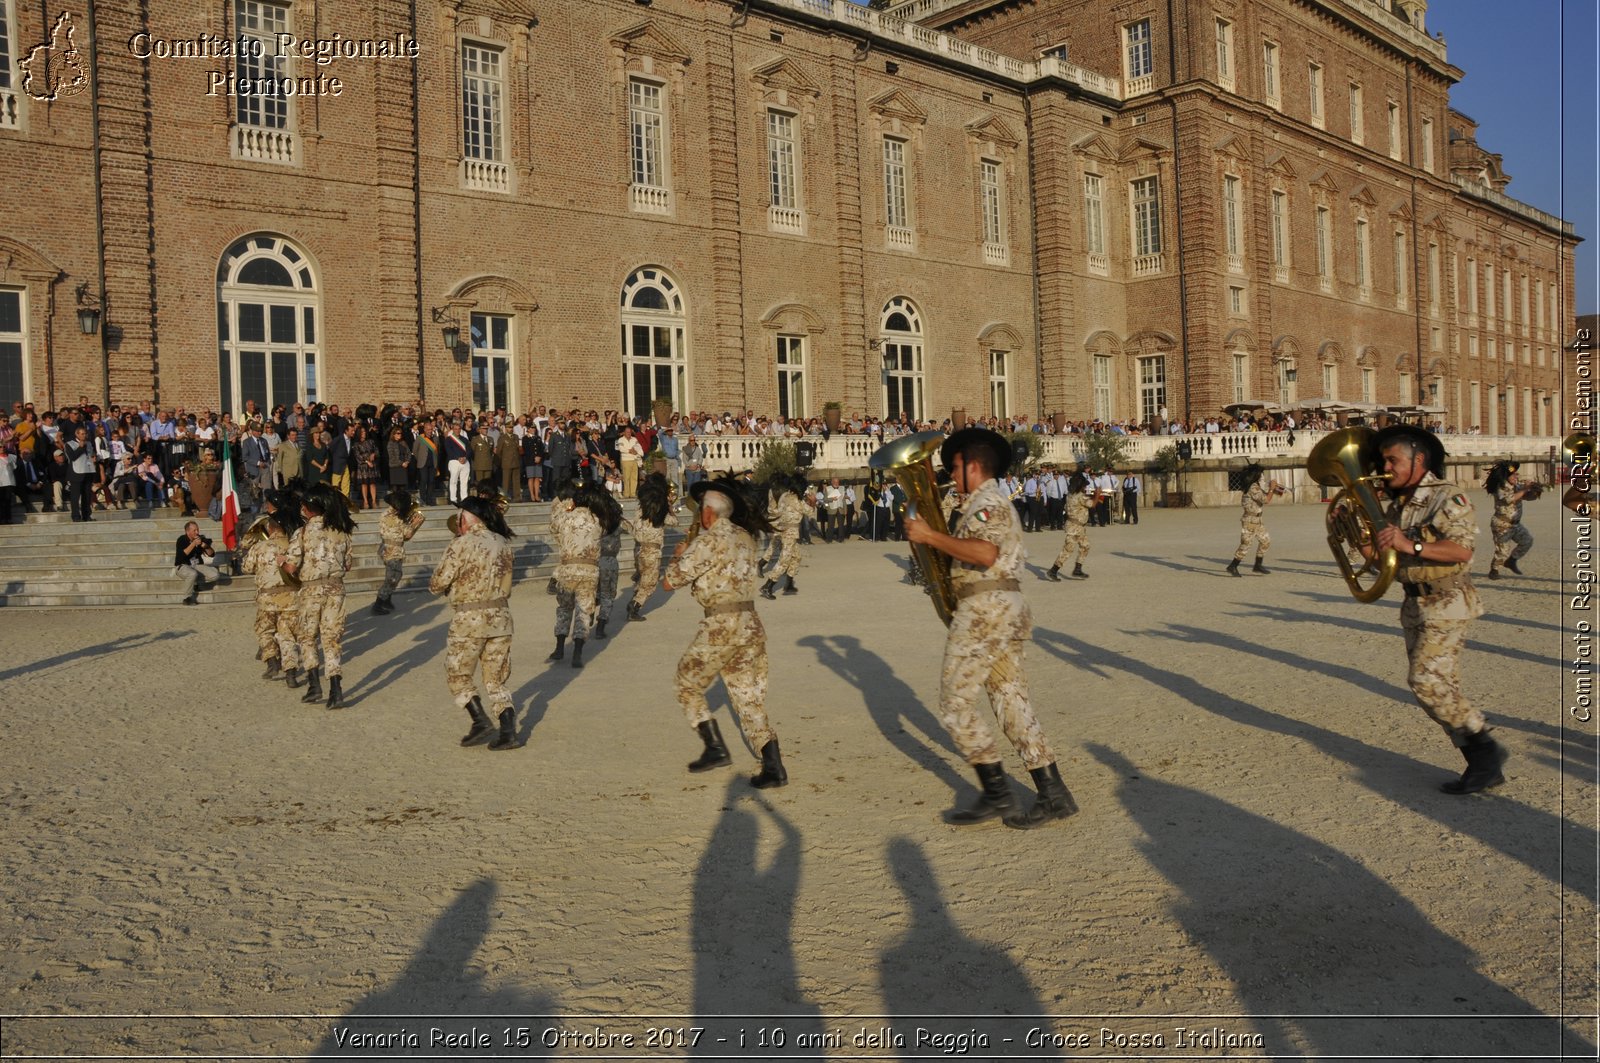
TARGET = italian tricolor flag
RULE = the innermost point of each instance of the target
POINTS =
(230, 502)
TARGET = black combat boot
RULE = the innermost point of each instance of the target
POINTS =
(313, 686)
(561, 649)
(996, 799)
(1078, 572)
(1511, 563)
(789, 587)
(480, 723)
(766, 590)
(1259, 567)
(577, 653)
(1484, 759)
(274, 669)
(1054, 801)
(550, 588)
(380, 607)
(1054, 573)
(600, 628)
(292, 677)
(633, 611)
(716, 751)
(771, 773)
(1494, 573)
(507, 738)
(1233, 567)
(335, 694)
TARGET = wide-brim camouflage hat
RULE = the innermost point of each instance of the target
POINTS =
(725, 486)
(1410, 433)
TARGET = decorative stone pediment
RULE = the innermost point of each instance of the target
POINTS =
(1286, 348)
(1279, 163)
(1363, 195)
(993, 130)
(646, 49)
(784, 77)
(1368, 357)
(496, 19)
(1240, 339)
(897, 113)
(1095, 146)
(1233, 146)
(20, 262)
(1401, 211)
(1000, 334)
(492, 294)
(1323, 179)
(1141, 149)
(1331, 352)
(794, 317)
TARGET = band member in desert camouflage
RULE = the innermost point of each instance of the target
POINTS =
(577, 531)
(649, 538)
(320, 555)
(1075, 547)
(991, 626)
(275, 611)
(719, 567)
(395, 528)
(476, 572)
(790, 512)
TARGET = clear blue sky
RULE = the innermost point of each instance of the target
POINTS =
(1535, 106)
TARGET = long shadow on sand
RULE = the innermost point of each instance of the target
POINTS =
(125, 642)
(1305, 931)
(440, 988)
(1528, 835)
(741, 928)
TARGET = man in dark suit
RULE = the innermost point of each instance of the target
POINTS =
(559, 458)
(341, 459)
(80, 458)
(257, 457)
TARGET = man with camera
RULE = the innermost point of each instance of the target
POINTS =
(194, 562)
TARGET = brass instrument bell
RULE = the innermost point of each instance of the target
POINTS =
(909, 460)
(1348, 458)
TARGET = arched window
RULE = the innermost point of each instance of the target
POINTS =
(267, 327)
(900, 335)
(655, 358)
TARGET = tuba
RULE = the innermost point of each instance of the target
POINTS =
(1577, 451)
(909, 460)
(1347, 458)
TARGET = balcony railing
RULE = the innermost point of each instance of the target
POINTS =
(1280, 274)
(1140, 85)
(1099, 264)
(648, 199)
(1143, 265)
(485, 175)
(10, 116)
(900, 238)
(996, 254)
(263, 145)
(1235, 263)
(785, 220)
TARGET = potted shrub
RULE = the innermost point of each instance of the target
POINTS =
(832, 414)
(656, 461)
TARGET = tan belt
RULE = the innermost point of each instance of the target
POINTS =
(967, 590)
(730, 607)
(319, 582)
(1418, 590)
(580, 561)
(492, 603)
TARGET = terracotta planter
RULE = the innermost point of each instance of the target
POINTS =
(659, 465)
(202, 488)
(662, 412)
(831, 416)
(1059, 421)
(958, 420)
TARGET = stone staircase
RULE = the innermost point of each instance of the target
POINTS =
(124, 557)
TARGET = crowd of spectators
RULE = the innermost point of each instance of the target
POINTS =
(84, 459)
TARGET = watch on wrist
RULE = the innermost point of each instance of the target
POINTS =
(1416, 548)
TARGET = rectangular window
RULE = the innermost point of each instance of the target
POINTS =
(1433, 279)
(1280, 233)
(1236, 300)
(999, 383)
(1241, 376)
(259, 24)
(1476, 413)
(1394, 130)
(647, 134)
(1314, 77)
(1405, 389)
(1366, 385)
(1491, 349)
(1230, 221)
(989, 189)
(1527, 298)
(491, 361)
(1146, 196)
(5, 45)
(13, 348)
(782, 175)
(1472, 286)
(1137, 57)
(792, 376)
(1269, 73)
(1435, 338)
(482, 103)
(1400, 268)
(1358, 122)
(1094, 219)
(1506, 306)
(1057, 52)
(1225, 54)
(1152, 386)
(1472, 346)
(1362, 280)
(1488, 293)
(1102, 387)
(1322, 248)
(895, 209)
(1427, 144)
(1330, 382)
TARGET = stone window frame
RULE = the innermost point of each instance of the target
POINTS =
(12, 109)
(784, 87)
(255, 141)
(644, 52)
(990, 140)
(896, 116)
(796, 320)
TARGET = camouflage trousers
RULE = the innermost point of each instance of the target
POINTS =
(789, 558)
(1434, 650)
(1075, 547)
(733, 645)
(320, 620)
(576, 586)
(275, 631)
(1252, 531)
(1511, 541)
(995, 666)
(392, 571)
(605, 591)
(647, 574)
(462, 656)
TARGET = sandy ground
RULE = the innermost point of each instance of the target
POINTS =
(1262, 857)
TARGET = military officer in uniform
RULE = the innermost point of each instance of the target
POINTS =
(649, 538)
(275, 612)
(476, 572)
(607, 571)
(576, 526)
(992, 624)
(1076, 545)
(1432, 527)
(719, 566)
(790, 512)
(320, 555)
(1511, 539)
(395, 528)
(1251, 530)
